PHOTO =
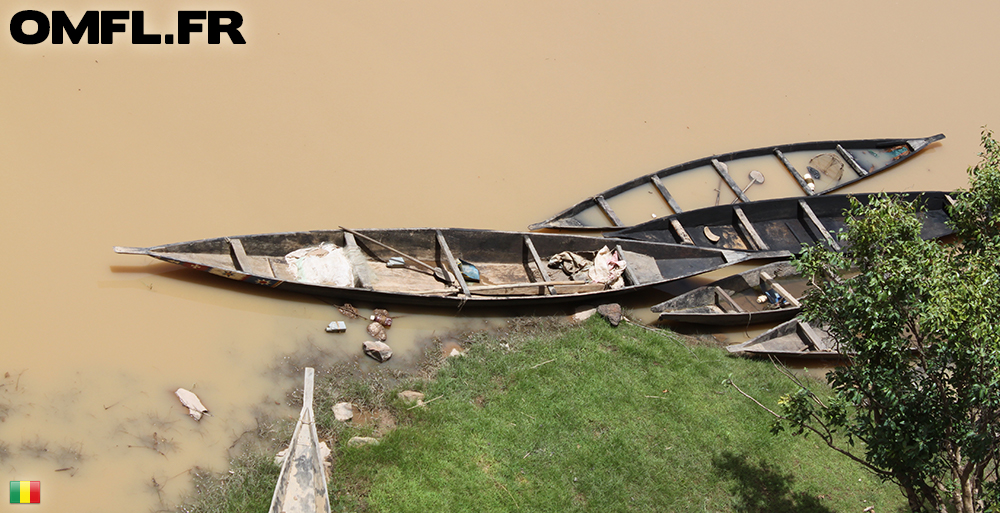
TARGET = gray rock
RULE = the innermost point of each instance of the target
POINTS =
(343, 411)
(380, 351)
(410, 396)
(612, 312)
(583, 313)
(362, 440)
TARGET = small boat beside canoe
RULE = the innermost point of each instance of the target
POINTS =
(783, 224)
(735, 300)
(301, 486)
(815, 167)
(791, 338)
(430, 267)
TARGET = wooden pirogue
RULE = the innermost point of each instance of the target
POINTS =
(301, 486)
(815, 167)
(783, 224)
(513, 267)
(791, 338)
(734, 300)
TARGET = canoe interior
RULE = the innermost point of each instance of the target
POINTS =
(502, 258)
(697, 184)
(781, 224)
(791, 338)
(733, 300)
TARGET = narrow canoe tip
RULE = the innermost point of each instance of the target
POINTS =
(128, 250)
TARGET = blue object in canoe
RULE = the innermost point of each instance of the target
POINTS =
(469, 271)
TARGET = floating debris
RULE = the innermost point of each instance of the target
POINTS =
(192, 403)
(336, 327)
(381, 316)
(380, 351)
(349, 311)
(377, 331)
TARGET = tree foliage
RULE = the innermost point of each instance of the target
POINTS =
(920, 321)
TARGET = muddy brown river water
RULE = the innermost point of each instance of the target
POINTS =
(380, 114)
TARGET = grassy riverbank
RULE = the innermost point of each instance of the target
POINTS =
(586, 418)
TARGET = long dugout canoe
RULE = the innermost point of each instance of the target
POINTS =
(813, 168)
(513, 267)
(784, 224)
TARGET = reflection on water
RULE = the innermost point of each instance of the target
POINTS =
(375, 115)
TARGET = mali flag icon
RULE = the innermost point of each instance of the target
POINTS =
(25, 492)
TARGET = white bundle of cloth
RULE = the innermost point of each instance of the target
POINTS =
(325, 264)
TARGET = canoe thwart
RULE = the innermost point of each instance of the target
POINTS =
(538, 263)
(766, 278)
(723, 170)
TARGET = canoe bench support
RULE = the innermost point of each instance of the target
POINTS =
(808, 211)
(723, 171)
(742, 217)
(791, 169)
(452, 263)
(779, 289)
(244, 263)
(608, 211)
(538, 263)
(722, 296)
(850, 160)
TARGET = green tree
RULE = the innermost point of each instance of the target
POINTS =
(921, 325)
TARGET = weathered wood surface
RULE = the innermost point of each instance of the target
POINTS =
(878, 155)
(301, 486)
(514, 270)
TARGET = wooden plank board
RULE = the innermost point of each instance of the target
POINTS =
(810, 334)
(666, 194)
(245, 263)
(723, 171)
(722, 294)
(850, 160)
(781, 290)
(452, 263)
(538, 262)
(681, 232)
(795, 173)
(601, 202)
(761, 246)
(819, 226)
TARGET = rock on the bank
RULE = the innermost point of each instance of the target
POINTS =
(380, 351)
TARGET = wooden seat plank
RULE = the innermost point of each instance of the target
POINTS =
(452, 263)
(850, 160)
(729, 299)
(666, 194)
(603, 203)
(538, 263)
(723, 171)
(681, 232)
(780, 290)
(761, 246)
(819, 226)
(244, 263)
(795, 173)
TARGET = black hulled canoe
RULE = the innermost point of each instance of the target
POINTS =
(721, 180)
(733, 300)
(783, 224)
(513, 267)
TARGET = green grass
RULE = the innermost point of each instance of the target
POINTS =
(589, 418)
(599, 419)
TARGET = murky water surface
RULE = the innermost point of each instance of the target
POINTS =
(382, 114)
